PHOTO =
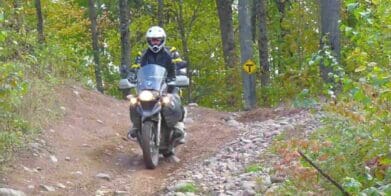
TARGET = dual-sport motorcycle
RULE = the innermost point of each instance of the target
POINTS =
(156, 110)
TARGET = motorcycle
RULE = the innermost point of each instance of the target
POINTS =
(156, 110)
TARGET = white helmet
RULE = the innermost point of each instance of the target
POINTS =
(156, 38)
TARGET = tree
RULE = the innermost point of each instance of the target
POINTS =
(95, 46)
(281, 32)
(184, 35)
(246, 53)
(125, 44)
(18, 17)
(41, 37)
(253, 5)
(224, 9)
(160, 13)
(263, 42)
(329, 15)
(124, 32)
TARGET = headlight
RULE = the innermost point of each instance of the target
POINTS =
(166, 100)
(132, 100)
(146, 96)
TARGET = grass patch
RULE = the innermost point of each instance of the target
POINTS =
(187, 187)
(253, 168)
(40, 105)
(29, 113)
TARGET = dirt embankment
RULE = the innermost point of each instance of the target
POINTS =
(90, 141)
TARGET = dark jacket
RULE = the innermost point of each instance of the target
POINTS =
(163, 58)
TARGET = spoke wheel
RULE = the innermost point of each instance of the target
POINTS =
(148, 145)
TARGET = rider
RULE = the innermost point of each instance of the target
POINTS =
(157, 53)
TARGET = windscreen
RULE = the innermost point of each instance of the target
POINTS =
(151, 77)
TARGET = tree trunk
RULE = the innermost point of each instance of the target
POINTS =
(263, 45)
(254, 14)
(329, 15)
(182, 32)
(41, 37)
(160, 12)
(246, 53)
(18, 17)
(124, 31)
(224, 10)
(95, 47)
(281, 6)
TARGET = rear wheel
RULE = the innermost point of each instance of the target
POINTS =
(148, 144)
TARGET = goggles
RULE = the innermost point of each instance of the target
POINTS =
(155, 40)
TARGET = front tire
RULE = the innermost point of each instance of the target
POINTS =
(148, 144)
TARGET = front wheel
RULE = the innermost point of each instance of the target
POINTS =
(148, 144)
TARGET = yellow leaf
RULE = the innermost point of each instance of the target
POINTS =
(360, 69)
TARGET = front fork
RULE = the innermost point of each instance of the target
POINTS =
(157, 118)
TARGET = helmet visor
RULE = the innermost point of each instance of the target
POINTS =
(155, 41)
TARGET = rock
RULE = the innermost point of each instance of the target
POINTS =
(99, 121)
(233, 123)
(47, 188)
(68, 158)
(272, 190)
(263, 184)
(276, 179)
(188, 120)
(173, 159)
(246, 141)
(11, 192)
(30, 187)
(249, 193)
(102, 192)
(193, 105)
(78, 173)
(35, 146)
(103, 176)
(198, 176)
(248, 185)
(120, 193)
(76, 93)
(85, 145)
(53, 158)
(28, 169)
(60, 185)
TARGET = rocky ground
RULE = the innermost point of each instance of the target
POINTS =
(86, 153)
(224, 173)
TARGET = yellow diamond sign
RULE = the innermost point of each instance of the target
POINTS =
(249, 67)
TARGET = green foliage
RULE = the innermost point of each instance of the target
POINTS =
(351, 185)
(253, 168)
(12, 89)
(303, 100)
(353, 147)
(187, 188)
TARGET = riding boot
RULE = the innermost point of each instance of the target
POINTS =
(180, 133)
(132, 133)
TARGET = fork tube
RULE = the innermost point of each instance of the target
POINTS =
(158, 129)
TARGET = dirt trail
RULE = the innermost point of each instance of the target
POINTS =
(91, 140)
